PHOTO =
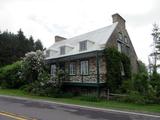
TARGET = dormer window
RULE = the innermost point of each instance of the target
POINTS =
(62, 50)
(51, 52)
(83, 45)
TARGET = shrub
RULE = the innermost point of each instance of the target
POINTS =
(42, 86)
(127, 86)
(151, 97)
(155, 82)
(10, 76)
(45, 85)
(140, 83)
(133, 97)
(39, 81)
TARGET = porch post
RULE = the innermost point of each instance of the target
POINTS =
(97, 66)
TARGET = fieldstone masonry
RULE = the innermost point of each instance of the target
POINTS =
(92, 76)
(113, 42)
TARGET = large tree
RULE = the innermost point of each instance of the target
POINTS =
(38, 45)
(14, 46)
(154, 57)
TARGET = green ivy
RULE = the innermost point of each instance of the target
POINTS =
(115, 60)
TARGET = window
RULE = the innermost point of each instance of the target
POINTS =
(120, 36)
(127, 50)
(83, 45)
(72, 68)
(84, 67)
(125, 39)
(62, 50)
(53, 70)
(119, 47)
(122, 70)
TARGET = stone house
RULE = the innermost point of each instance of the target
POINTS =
(82, 56)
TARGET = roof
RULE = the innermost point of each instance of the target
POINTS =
(98, 37)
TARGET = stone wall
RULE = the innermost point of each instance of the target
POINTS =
(112, 42)
(92, 76)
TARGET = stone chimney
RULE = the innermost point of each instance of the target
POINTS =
(59, 38)
(117, 18)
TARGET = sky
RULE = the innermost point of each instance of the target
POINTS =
(43, 19)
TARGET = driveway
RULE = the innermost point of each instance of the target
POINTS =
(13, 108)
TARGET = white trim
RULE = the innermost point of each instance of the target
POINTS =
(84, 67)
(72, 68)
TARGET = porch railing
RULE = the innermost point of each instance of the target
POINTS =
(92, 78)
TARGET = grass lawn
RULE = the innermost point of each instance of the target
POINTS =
(155, 108)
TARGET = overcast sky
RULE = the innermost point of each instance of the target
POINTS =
(44, 19)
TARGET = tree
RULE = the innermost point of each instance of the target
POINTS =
(142, 67)
(155, 55)
(31, 43)
(14, 46)
(38, 45)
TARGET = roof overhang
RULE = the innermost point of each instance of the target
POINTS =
(75, 57)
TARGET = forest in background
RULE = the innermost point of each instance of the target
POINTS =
(14, 46)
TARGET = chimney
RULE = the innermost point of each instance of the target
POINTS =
(117, 18)
(59, 38)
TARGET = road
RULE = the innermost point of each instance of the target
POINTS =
(26, 109)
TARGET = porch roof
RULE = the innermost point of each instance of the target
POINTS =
(75, 57)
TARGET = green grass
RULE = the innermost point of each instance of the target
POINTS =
(155, 108)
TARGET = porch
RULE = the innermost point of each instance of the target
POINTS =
(85, 69)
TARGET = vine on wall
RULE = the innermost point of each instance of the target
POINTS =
(116, 63)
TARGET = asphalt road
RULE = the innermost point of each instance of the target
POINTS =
(24, 109)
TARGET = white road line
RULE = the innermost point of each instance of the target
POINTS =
(81, 106)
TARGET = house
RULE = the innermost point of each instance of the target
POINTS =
(82, 56)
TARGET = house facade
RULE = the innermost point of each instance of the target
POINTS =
(82, 57)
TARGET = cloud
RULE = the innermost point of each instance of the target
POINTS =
(46, 18)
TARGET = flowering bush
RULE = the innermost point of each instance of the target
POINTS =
(35, 73)
(33, 65)
(46, 85)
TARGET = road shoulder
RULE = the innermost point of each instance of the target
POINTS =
(155, 115)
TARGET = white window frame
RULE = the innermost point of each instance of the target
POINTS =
(83, 45)
(119, 47)
(72, 68)
(62, 50)
(84, 67)
(122, 70)
(125, 39)
(53, 70)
